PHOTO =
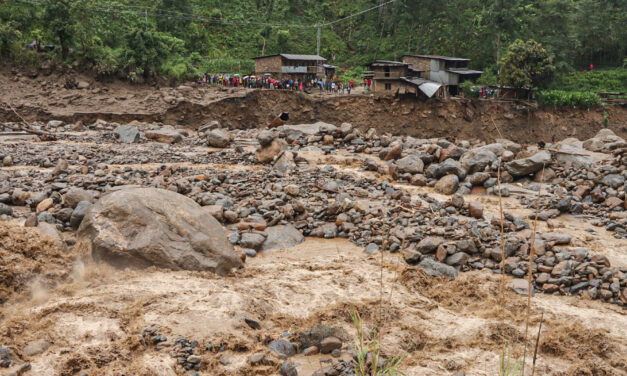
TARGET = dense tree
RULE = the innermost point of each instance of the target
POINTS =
(59, 20)
(527, 65)
(576, 33)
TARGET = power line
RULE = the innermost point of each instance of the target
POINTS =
(357, 14)
(164, 13)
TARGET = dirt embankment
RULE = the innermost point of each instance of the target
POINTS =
(47, 99)
(459, 118)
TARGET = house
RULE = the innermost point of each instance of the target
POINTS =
(396, 77)
(291, 66)
(450, 71)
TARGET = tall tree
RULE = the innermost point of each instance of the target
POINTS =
(527, 65)
(58, 18)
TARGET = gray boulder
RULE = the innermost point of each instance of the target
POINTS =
(437, 269)
(166, 135)
(5, 209)
(265, 137)
(75, 195)
(527, 166)
(410, 164)
(613, 180)
(476, 160)
(447, 185)
(147, 226)
(449, 166)
(280, 237)
(127, 134)
(79, 213)
(282, 347)
(252, 240)
(603, 141)
(219, 138)
(6, 357)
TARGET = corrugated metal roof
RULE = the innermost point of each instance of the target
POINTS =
(447, 58)
(429, 88)
(295, 57)
(464, 71)
(387, 63)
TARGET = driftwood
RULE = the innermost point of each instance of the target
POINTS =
(44, 136)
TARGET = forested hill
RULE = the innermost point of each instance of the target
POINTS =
(172, 37)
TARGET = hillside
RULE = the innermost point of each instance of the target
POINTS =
(139, 38)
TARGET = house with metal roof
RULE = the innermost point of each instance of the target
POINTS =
(449, 71)
(396, 77)
(293, 66)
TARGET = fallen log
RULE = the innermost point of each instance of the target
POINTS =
(44, 136)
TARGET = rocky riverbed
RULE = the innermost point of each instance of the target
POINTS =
(326, 218)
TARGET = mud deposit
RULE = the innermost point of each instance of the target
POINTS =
(45, 98)
(61, 313)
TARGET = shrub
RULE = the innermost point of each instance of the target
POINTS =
(614, 80)
(569, 98)
(469, 89)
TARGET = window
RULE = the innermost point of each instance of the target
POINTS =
(387, 71)
(388, 86)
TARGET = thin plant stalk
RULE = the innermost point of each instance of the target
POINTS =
(535, 351)
(530, 271)
(502, 292)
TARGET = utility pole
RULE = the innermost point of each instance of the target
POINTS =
(318, 41)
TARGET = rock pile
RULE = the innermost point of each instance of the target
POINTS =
(285, 198)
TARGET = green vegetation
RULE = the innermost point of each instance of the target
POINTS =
(508, 366)
(469, 89)
(558, 98)
(611, 80)
(98, 33)
(527, 65)
(368, 359)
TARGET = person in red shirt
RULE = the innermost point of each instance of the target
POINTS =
(352, 84)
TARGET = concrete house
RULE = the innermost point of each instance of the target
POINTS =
(291, 66)
(396, 77)
(450, 71)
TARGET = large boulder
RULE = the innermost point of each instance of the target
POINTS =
(605, 140)
(127, 134)
(219, 138)
(447, 185)
(282, 236)
(573, 154)
(476, 160)
(437, 269)
(449, 166)
(141, 227)
(529, 165)
(165, 135)
(410, 164)
(75, 195)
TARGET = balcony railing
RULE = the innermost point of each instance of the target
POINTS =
(302, 69)
(393, 75)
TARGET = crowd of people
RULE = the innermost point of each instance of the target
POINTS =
(335, 85)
